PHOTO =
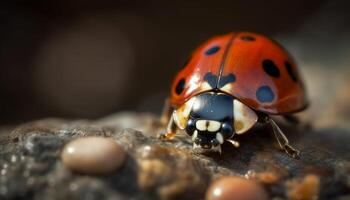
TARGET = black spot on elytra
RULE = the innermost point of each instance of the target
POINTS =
(291, 71)
(264, 94)
(180, 86)
(270, 68)
(212, 50)
(247, 38)
(226, 79)
(211, 79)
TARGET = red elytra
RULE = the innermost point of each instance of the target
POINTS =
(250, 67)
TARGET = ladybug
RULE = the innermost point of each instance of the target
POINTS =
(230, 83)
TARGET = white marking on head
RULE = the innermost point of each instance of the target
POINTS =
(244, 117)
(208, 125)
(214, 126)
(201, 125)
(220, 138)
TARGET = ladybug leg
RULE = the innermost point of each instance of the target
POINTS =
(171, 130)
(282, 139)
(167, 112)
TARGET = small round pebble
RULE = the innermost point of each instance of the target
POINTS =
(235, 188)
(93, 155)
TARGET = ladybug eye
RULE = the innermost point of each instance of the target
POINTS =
(180, 86)
(226, 129)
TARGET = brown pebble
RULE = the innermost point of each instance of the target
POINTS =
(235, 188)
(306, 189)
(93, 155)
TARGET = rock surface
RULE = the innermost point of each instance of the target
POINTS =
(31, 167)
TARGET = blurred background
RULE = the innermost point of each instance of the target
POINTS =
(91, 58)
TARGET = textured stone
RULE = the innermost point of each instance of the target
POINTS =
(305, 189)
(31, 168)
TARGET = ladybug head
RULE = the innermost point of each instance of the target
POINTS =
(211, 118)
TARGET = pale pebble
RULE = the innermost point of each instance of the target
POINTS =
(235, 188)
(93, 155)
